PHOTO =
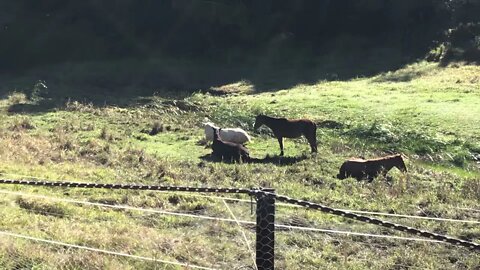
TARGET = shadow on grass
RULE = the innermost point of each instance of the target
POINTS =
(28, 108)
(276, 160)
(404, 75)
(129, 82)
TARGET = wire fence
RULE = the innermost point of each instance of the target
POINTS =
(258, 237)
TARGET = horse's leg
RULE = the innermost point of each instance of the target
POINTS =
(313, 139)
(238, 157)
(280, 141)
(313, 142)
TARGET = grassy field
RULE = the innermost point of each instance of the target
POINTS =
(428, 113)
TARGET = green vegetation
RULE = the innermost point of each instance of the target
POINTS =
(427, 112)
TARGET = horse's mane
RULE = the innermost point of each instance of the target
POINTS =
(271, 117)
(362, 159)
(386, 157)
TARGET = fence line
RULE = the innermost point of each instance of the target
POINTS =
(126, 186)
(379, 222)
(411, 216)
(398, 215)
(244, 222)
(126, 207)
(357, 233)
(356, 211)
(346, 214)
(102, 250)
(294, 205)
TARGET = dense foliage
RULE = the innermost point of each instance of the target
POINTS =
(39, 32)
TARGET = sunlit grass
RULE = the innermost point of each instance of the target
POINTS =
(428, 113)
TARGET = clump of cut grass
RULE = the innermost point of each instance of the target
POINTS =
(21, 124)
(157, 127)
(42, 207)
(65, 142)
(17, 98)
(243, 87)
(106, 134)
(133, 156)
(75, 106)
(146, 165)
(96, 151)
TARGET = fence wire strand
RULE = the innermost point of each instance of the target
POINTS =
(310, 205)
(298, 206)
(244, 222)
(243, 233)
(378, 222)
(53, 242)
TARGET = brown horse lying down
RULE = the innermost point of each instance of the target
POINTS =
(370, 168)
(227, 150)
(284, 128)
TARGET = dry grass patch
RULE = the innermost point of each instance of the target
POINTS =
(241, 87)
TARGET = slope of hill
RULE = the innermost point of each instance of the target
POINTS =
(427, 112)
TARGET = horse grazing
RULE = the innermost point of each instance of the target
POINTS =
(228, 150)
(284, 128)
(360, 168)
(235, 135)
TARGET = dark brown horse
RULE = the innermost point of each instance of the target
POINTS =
(370, 168)
(227, 150)
(284, 128)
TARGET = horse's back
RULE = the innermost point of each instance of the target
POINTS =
(355, 164)
(235, 135)
(294, 128)
(354, 168)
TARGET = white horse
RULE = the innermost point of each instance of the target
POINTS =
(235, 135)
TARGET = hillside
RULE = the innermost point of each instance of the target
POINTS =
(425, 111)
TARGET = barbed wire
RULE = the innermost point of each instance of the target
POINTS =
(125, 186)
(294, 205)
(347, 214)
(126, 207)
(53, 242)
(244, 222)
(398, 227)
(395, 215)
(284, 228)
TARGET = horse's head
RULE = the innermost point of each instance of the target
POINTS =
(209, 125)
(259, 120)
(399, 163)
(216, 135)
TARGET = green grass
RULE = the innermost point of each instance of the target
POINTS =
(428, 113)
